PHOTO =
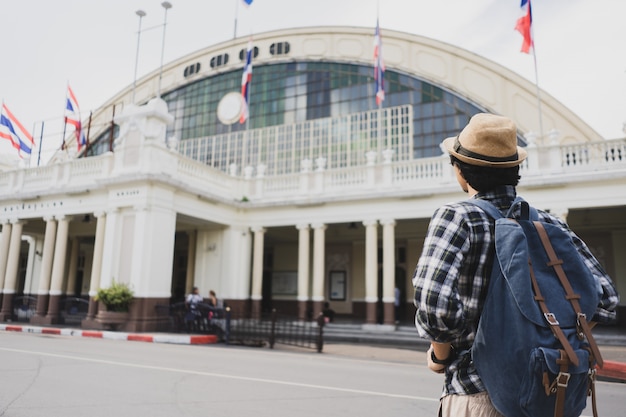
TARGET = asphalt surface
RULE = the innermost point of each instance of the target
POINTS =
(395, 343)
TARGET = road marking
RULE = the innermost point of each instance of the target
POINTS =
(225, 376)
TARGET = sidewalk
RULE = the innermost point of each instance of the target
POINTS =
(379, 342)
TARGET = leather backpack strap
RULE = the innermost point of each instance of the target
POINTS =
(570, 295)
(561, 381)
(551, 318)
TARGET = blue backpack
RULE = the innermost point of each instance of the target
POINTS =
(534, 350)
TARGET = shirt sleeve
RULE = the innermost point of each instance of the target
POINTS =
(439, 315)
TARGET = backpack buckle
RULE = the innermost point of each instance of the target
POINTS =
(562, 379)
(551, 319)
(579, 326)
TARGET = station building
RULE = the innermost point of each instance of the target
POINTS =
(319, 196)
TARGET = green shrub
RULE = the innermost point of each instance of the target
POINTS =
(116, 298)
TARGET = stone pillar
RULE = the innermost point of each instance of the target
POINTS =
(389, 270)
(303, 269)
(10, 276)
(319, 267)
(96, 269)
(73, 268)
(5, 240)
(46, 270)
(257, 271)
(371, 270)
(58, 270)
(191, 260)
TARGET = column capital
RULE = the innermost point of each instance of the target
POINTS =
(388, 222)
(48, 218)
(370, 222)
(99, 213)
(16, 221)
(63, 217)
(302, 226)
(319, 226)
(258, 229)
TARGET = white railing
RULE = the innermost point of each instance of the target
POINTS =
(597, 154)
(314, 182)
(342, 141)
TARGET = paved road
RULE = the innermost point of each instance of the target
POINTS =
(52, 376)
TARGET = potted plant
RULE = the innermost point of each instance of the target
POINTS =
(116, 300)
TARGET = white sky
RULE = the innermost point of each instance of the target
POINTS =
(91, 44)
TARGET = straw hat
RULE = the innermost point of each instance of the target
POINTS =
(487, 140)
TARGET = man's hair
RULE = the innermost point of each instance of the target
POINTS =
(487, 178)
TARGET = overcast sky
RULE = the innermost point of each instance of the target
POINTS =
(580, 45)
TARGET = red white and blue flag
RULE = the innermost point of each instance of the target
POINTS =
(379, 66)
(15, 132)
(246, 78)
(72, 117)
(524, 26)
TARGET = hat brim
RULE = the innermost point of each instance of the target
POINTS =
(448, 144)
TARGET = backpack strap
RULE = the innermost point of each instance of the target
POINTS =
(487, 206)
(570, 295)
(551, 318)
(562, 380)
(526, 211)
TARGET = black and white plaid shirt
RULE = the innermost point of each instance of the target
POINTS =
(452, 277)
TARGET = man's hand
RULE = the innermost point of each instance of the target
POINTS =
(435, 367)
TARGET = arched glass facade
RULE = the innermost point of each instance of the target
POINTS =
(295, 92)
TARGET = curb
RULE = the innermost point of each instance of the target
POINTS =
(612, 370)
(135, 337)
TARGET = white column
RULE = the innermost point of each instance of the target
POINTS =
(371, 270)
(319, 247)
(5, 240)
(96, 267)
(303, 262)
(10, 280)
(73, 267)
(13, 258)
(47, 256)
(109, 264)
(389, 264)
(389, 269)
(60, 252)
(257, 264)
(371, 261)
(191, 260)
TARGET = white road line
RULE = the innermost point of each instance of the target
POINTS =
(225, 376)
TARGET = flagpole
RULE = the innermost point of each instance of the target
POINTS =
(236, 15)
(63, 147)
(40, 142)
(538, 90)
(87, 137)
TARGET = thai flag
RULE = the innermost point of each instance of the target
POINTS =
(246, 78)
(523, 26)
(72, 117)
(15, 132)
(379, 66)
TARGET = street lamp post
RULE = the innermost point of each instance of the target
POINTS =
(166, 5)
(141, 14)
